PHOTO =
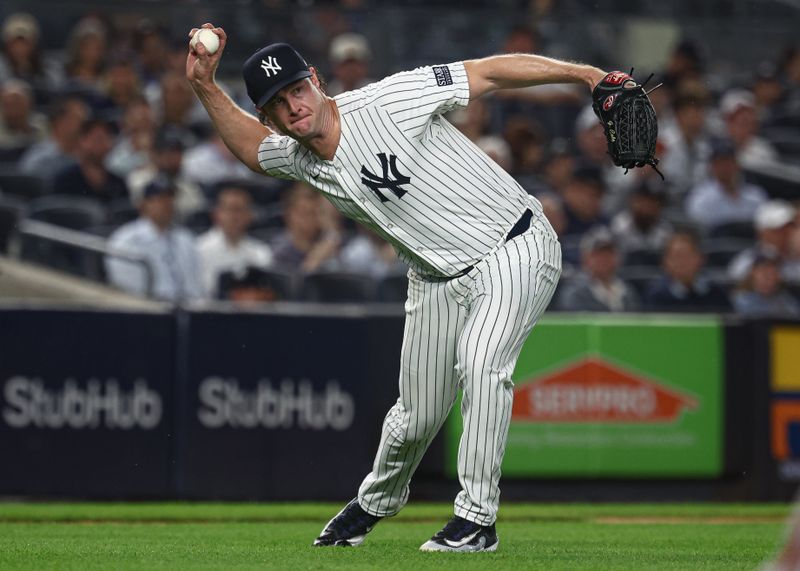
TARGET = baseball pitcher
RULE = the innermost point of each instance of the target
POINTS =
(484, 261)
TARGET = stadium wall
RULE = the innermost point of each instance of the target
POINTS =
(286, 404)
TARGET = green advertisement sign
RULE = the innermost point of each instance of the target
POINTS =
(632, 396)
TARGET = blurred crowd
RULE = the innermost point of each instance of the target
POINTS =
(106, 137)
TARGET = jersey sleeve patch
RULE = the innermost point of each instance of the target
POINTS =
(442, 74)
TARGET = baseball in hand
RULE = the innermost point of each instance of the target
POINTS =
(206, 37)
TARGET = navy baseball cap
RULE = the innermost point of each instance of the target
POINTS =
(271, 69)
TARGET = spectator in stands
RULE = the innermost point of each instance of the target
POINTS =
(559, 164)
(89, 177)
(724, 198)
(774, 224)
(641, 231)
(527, 142)
(582, 197)
(211, 162)
(152, 52)
(684, 160)
(685, 62)
(369, 254)
(593, 150)
(176, 102)
(738, 109)
(21, 56)
(165, 162)
(47, 157)
(20, 125)
(349, 56)
(768, 92)
(789, 69)
(226, 247)
(168, 249)
(598, 288)
(121, 85)
(762, 293)
(135, 143)
(305, 245)
(682, 288)
(86, 54)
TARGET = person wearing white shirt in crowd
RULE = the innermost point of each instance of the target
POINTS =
(684, 160)
(369, 254)
(774, 225)
(724, 198)
(168, 249)
(739, 111)
(165, 162)
(226, 246)
(211, 162)
(134, 145)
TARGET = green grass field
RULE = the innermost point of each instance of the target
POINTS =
(278, 536)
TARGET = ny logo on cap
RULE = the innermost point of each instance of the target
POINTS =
(270, 65)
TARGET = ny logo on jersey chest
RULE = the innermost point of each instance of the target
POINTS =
(376, 183)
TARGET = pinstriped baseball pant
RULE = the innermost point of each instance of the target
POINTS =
(468, 333)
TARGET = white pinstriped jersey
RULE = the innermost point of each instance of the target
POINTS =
(407, 173)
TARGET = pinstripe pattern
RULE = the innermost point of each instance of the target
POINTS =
(459, 204)
(465, 332)
(455, 210)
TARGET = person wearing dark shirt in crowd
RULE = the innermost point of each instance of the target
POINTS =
(305, 245)
(762, 293)
(47, 157)
(682, 289)
(89, 177)
(583, 196)
(598, 288)
(641, 230)
(582, 199)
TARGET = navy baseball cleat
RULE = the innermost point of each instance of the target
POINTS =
(348, 528)
(463, 536)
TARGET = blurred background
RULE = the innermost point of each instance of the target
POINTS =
(174, 325)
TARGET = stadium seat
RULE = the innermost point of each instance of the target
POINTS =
(269, 217)
(738, 230)
(392, 288)
(121, 212)
(21, 185)
(71, 212)
(642, 258)
(720, 251)
(338, 287)
(640, 277)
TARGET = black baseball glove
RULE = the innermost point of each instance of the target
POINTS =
(628, 119)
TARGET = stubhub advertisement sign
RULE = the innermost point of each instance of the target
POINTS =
(86, 405)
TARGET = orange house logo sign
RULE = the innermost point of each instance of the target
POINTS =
(593, 390)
